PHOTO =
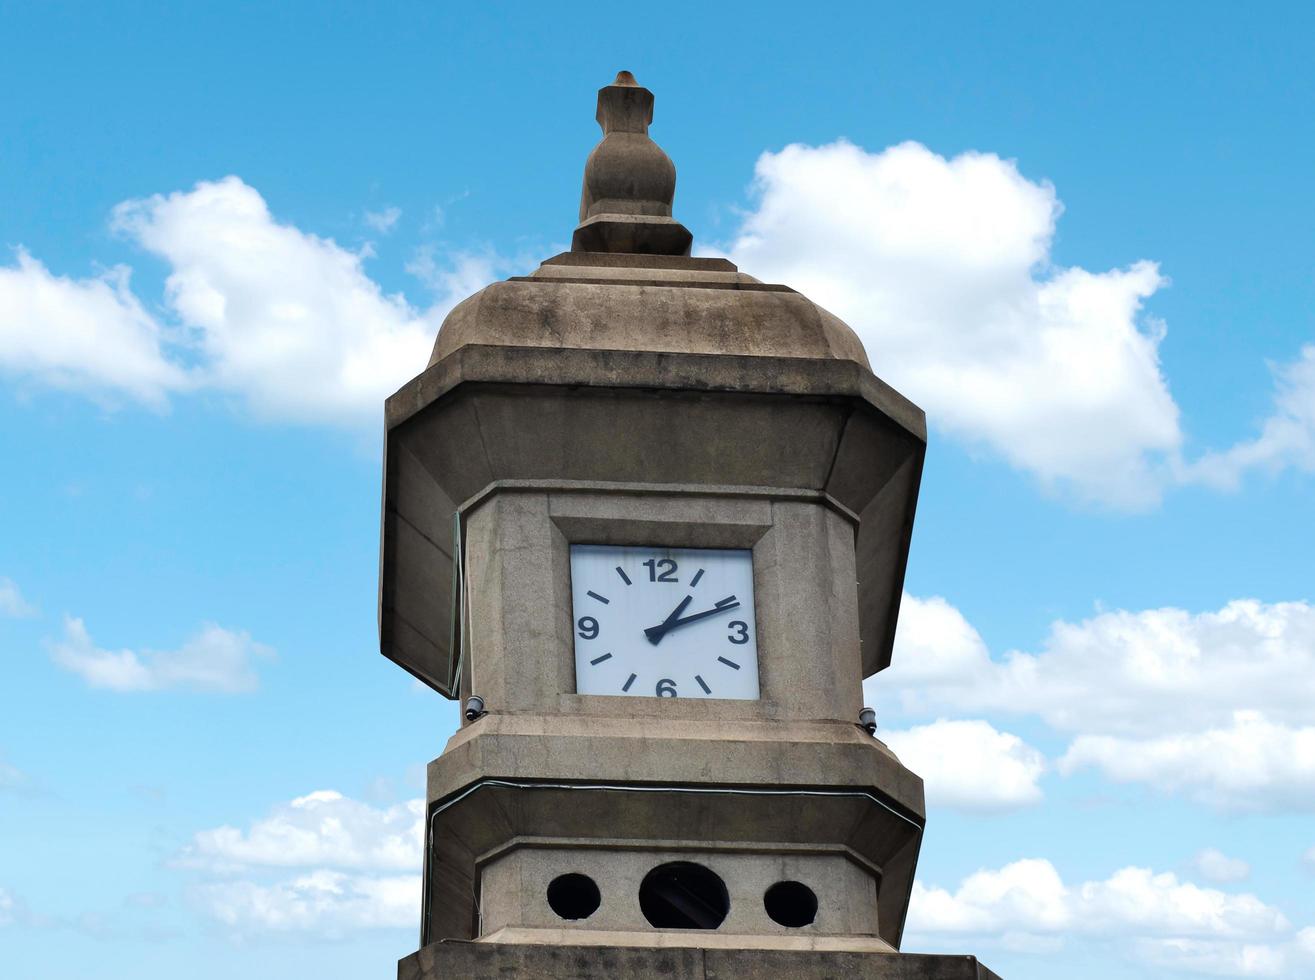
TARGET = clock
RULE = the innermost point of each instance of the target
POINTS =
(664, 622)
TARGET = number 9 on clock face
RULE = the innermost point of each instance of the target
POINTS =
(664, 622)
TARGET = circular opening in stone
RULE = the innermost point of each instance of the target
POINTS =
(791, 904)
(573, 896)
(683, 895)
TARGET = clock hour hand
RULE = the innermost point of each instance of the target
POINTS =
(655, 633)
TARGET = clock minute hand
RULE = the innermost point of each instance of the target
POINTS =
(730, 602)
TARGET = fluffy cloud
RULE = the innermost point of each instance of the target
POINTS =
(1157, 671)
(1212, 705)
(285, 319)
(12, 603)
(1287, 437)
(969, 765)
(934, 645)
(942, 265)
(322, 829)
(1027, 895)
(1026, 902)
(1139, 900)
(1216, 866)
(943, 268)
(345, 850)
(1222, 958)
(215, 659)
(88, 335)
(327, 903)
(1030, 896)
(1250, 764)
(1217, 958)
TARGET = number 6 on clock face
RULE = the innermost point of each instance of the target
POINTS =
(664, 622)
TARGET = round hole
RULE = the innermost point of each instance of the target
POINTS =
(681, 895)
(791, 904)
(573, 896)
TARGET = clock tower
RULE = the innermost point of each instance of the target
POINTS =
(646, 518)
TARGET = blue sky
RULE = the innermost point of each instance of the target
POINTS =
(1079, 237)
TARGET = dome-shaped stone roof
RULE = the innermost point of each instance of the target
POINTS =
(615, 301)
(629, 283)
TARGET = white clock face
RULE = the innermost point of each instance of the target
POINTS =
(664, 622)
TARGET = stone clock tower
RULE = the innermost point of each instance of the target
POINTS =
(647, 518)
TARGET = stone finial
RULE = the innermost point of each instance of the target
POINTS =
(629, 183)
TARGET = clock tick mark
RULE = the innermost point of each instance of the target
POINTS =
(729, 663)
(624, 577)
(725, 602)
(703, 684)
(695, 580)
(594, 595)
(629, 681)
(598, 660)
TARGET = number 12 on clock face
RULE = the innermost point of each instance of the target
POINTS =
(664, 622)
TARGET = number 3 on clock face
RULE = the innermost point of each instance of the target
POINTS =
(664, 622)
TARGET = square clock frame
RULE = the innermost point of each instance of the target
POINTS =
(538, 563)
(651, 638)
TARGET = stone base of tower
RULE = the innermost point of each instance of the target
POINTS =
(497, 961)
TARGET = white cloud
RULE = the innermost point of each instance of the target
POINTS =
(360, 867)
(12, 603)
(1212, 705)
(287, 320)
(89, 335)
(1026, 907)
(383, 221)
(1030, 896)
(1252, 764)
(1214, 865)
(284, 320)
(1309, 858)
(215, 659)
(1027, 896)
(9, 908)
(329, 903)
(943, 268)
(322, 829)
(1287, 437)
(969, 765)
(934, 645)
(1215, 957)
(1293, 958)
(1139, 900)
(1157, 671)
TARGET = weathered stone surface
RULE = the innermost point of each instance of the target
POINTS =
(627, 394)
(692, 310)
(496, 961)
(516, 883)
(654, 742)
(499, 814)
(629, 183)
(519, 605)
(687, 423)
